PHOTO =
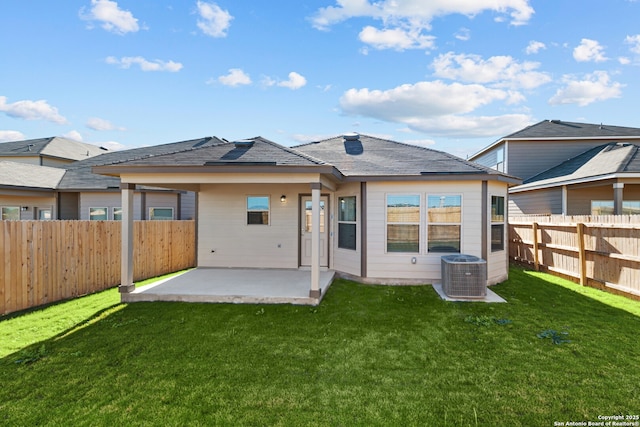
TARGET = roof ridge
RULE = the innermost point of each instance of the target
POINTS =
(291, 150)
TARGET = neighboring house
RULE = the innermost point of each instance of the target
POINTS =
(369, 208)
(71, 191)
(554, 147)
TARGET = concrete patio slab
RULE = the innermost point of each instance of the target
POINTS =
(490, 297)
(249, 286)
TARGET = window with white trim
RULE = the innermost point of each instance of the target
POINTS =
(98, 214)
(347, 222)
(497, 223)
(44, 214)
(258, 210)
(10, 213)
(444, 223)
(403, 223)
(160, 214)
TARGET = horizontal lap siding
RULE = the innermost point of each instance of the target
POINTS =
(539, 202)
(226, 240)
(398, 265)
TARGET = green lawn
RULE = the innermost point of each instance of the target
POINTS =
(368, 355)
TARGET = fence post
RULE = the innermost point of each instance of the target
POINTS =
(581, 254)
(536, 260)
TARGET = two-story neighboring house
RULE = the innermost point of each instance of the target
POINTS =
(569, 168)
(51, 178)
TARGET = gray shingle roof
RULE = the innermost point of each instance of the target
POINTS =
(371, 156)
(16, 174)
(51, 147)
(79, 175)
(562, 129)
(605, 159)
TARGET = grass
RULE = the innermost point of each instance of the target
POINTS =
(368, 355)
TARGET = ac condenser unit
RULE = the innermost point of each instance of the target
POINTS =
(464, 276)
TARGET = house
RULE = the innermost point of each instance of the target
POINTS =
(556, 155)
(367, 208)
(67, 189)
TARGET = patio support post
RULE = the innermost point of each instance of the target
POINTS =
(315, 240)
(126, 283)
(618, 189)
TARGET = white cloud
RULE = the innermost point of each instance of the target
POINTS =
(589, 50)
(501, 71)
(624, 60)
(74, 134)
(420, 142)
(463, 34)
(99, 124)
(144, 64)
(113, 18)
(534, 47)
(296, 81)
(634, 41)
(417, 13)
(11, 135)
(594, 87)
(397, 38)
(32, 110)
(236, 77)
(213, 20)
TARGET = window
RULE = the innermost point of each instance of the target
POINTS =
(159, 214)
(44, 214)
(444, 216)
(602, 207)
(630, 207)
(117, 214)
(258, 210)
(403, 223)
(98, 214)
(497, 223)
(347, 222)
(11, 213)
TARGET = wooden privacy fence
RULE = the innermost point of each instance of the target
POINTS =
(47, 261)
(597, 251)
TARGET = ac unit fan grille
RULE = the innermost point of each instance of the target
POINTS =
(464, 276)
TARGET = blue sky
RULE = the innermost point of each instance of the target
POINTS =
(451, 75)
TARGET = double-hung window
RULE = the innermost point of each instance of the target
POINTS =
(11, 213)
(347, 222)
(497, 223)
(444, 219)
(258, 210)
(403, 223)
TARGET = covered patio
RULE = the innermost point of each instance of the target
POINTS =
(237, 286)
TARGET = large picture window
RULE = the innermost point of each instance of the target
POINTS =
(10, 213)
(497, 223)
(258, 210)
(444, 218)
(347, 222)
(403, 223)
(158, 214)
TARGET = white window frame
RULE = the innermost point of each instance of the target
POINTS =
(39, 213)
(346, 222)
(106, 213)
(497, 221)
(151, 209)
(388, 223)
(435, 224)
(248, 210)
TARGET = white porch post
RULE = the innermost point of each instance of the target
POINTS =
(315, 240)
(126, 277)
(565, 198)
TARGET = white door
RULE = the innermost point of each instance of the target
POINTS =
(305, 232)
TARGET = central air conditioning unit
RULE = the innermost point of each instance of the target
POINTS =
(464, 276)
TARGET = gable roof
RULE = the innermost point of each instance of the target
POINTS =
(56, 147)
(558, 130)
(600, 162)
(14, 174)
(367, 156)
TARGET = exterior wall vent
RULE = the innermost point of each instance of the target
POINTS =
(464, 276)
(351, 136)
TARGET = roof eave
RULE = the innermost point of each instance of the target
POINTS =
(543, 185)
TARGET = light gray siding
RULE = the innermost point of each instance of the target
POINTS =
(188, 205)
(539, 202)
